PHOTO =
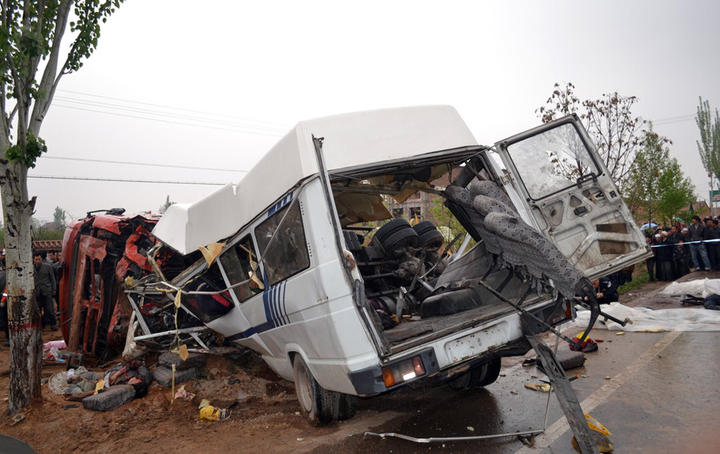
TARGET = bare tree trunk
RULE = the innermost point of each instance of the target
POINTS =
(23, 311)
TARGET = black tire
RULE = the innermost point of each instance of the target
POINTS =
(402, 238)
(390, 228)
(431, 239)
(424, 226)
(478, 377)
(319, 405)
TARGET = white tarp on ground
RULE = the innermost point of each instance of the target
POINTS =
(699, 288)
(649, 320)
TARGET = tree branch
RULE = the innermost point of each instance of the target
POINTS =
(49, 81)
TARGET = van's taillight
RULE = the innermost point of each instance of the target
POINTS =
(403, 371)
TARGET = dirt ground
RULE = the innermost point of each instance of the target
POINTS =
(264, 412)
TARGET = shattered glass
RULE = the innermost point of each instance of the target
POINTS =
(552, 161)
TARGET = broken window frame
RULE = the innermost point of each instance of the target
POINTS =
(595, 170)
(246, 246)
(196, 293)
(278, 240)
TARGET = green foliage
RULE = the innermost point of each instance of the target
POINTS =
(675, 191)
(639, 279)
(445, 220)
(657, 182)
(89, 14)
(60, 217)
(28, 154)
(709, 143)
(31, 32)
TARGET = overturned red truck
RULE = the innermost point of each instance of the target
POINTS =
(99, 253)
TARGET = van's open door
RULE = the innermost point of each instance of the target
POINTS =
(569, 193)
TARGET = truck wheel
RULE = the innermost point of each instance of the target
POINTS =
(319, 405)
(478, 376)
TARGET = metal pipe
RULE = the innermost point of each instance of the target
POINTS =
(446, 439)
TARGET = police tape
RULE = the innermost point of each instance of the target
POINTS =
(686, 242)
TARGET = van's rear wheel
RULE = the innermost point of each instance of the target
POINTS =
(319, 405)
(477, 377)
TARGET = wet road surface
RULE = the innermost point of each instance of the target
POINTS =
(656, 392)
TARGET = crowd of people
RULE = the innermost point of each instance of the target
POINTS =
(47, 273)
(679, 248)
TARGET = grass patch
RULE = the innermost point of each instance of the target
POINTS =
(639, 279)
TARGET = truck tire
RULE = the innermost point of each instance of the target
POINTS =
(400, 239)
(391, 227)
(319, 405)
(478, 377)
(424, 226)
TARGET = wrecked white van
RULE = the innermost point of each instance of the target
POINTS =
(311, 271)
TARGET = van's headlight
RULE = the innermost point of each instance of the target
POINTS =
(403, 371)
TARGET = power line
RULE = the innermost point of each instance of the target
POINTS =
(272, 124)
(117, 114)
(171, 115)
(149, 164)
(121, 180)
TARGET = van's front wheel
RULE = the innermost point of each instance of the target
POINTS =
(319, 405)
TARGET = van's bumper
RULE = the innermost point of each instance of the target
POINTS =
(451, 355)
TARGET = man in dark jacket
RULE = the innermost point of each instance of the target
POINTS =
(711, 233)
(664, 257)
(697, 250)
(44, 287)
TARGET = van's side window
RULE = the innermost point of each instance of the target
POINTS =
(287, 253)
(241, 264)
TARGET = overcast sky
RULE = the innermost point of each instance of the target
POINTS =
(214, 87)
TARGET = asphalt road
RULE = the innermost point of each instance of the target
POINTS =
(656, 392)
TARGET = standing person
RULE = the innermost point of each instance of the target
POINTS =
(44, 287)
(664, 257)
(711, 247)
(697, 248)
(650, 262)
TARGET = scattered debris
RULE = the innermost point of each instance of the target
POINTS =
(599, 433)
(470, 428)
(568, 360)
(603, 443)
(110, 398)
(210, 413)
(164, 375)
(183, 394)
(620, 333)
(541, 387)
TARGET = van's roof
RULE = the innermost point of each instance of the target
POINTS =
(351, 140)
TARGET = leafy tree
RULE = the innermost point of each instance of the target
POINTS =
(675, 191)
(656, 182)
(167, 204)
(709, 143)
(609, 120)
(60, 217)
(31, 33)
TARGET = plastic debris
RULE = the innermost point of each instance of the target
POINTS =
(210, 413)
(183, 394)
(541, 387)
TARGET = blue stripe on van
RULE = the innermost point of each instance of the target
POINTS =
(281, 203)
(284, 307)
